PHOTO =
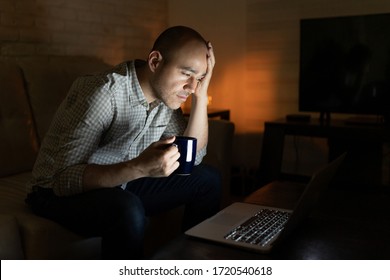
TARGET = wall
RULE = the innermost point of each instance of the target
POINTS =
(112, 30)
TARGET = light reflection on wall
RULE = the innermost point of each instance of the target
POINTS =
(248, 90)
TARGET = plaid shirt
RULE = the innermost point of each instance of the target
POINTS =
(105, 119)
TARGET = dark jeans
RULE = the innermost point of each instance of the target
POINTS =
(119, 216)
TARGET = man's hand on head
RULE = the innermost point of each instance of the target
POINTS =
(203, 85)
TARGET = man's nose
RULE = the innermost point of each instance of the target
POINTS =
(192, 84)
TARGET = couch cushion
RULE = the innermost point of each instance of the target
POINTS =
(18, 141)
(48, 81)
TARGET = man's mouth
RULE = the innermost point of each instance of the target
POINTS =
(184, 96)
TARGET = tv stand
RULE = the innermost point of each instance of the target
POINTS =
(363, 144)
(369, 121)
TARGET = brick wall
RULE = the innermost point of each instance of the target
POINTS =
(112, 30)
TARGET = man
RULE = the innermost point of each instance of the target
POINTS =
(107, 160)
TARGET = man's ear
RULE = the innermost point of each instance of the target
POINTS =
(154, 60)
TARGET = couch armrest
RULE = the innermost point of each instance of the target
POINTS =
(10, 241)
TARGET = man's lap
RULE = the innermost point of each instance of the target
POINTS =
(161, 194)
(90, 211)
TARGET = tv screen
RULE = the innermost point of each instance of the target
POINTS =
(345, 65)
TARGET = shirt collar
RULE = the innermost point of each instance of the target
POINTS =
(137, 97)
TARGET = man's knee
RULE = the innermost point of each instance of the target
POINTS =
(130, 206)
(127, 212)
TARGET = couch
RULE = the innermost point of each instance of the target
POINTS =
(31, 90)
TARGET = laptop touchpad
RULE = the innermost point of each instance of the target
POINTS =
(226, 219)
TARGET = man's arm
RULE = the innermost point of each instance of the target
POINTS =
(198, 120)
(158, 160)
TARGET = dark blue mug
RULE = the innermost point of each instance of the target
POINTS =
(187, 150)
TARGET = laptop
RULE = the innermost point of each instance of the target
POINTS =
(260, 228)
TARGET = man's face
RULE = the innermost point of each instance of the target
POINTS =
(176, 79)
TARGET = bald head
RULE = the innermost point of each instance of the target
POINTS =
(175, 38)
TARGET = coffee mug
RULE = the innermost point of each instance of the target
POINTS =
(187, 150)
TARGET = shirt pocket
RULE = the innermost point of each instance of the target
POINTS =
(154, 133)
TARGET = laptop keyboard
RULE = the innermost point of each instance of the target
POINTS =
(260, 228)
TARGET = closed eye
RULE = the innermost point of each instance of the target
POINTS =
(189, 72)
(200, 79)
(190, 75)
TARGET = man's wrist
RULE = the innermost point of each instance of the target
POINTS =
(134, 169)
(199, 100)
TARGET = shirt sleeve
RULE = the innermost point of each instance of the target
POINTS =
(69, 181)
(85, 115)
(177, 126)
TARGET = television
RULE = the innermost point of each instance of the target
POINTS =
(345, 65)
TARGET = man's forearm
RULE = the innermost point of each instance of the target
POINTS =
(158, 160)
(198, 122)
(107, 176)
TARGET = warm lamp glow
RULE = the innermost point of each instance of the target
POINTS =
(209, 100)
(250, 90)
